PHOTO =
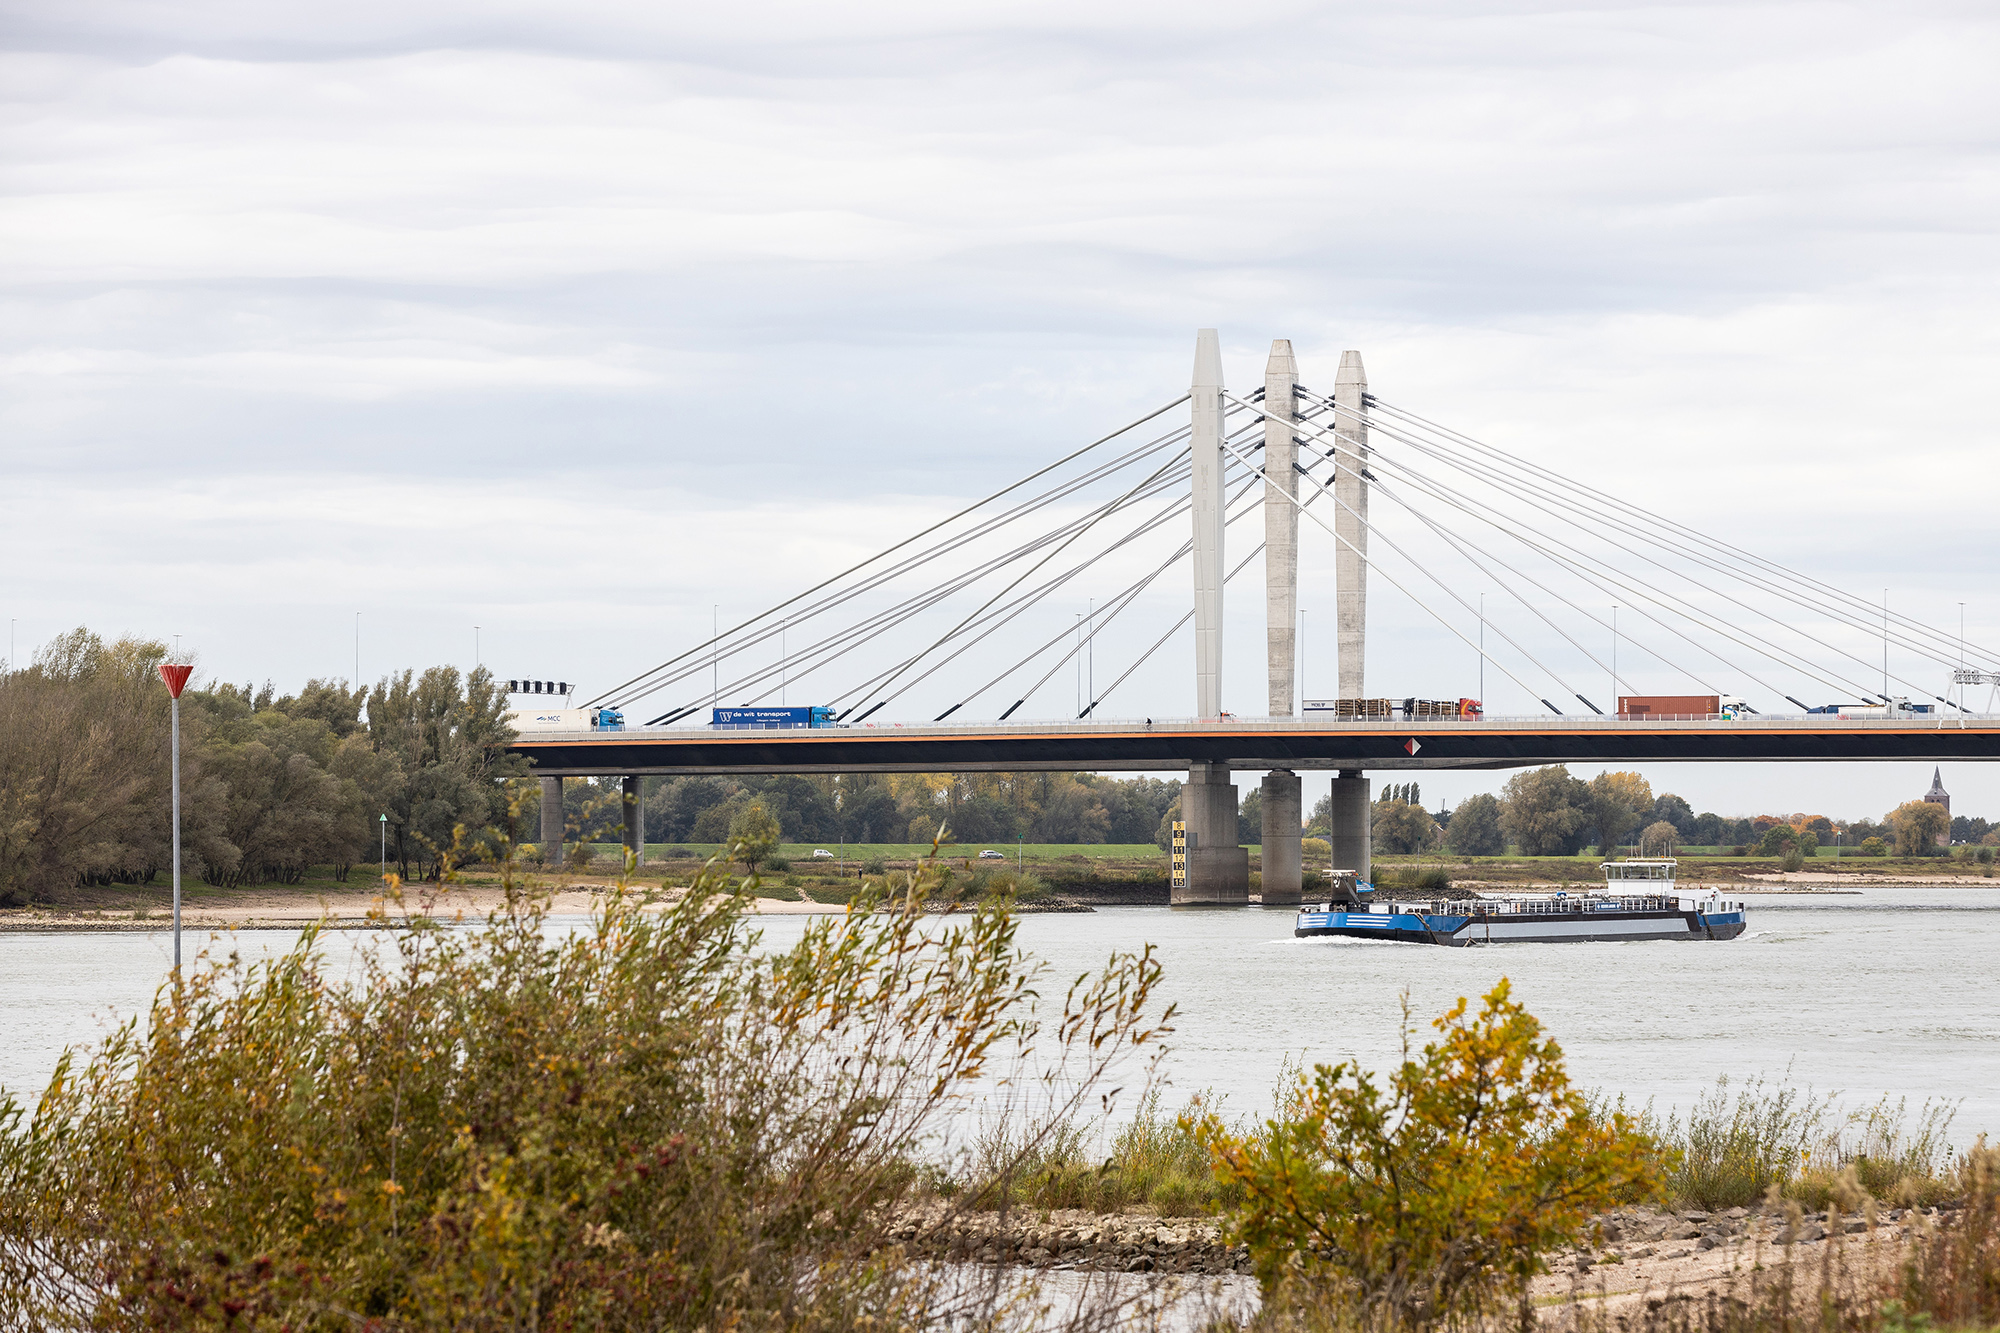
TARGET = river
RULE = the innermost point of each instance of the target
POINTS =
(1891, 990)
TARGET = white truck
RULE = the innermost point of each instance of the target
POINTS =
(567, 719)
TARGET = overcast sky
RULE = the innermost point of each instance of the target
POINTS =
(573, 322)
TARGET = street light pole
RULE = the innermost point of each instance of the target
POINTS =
(385, 846)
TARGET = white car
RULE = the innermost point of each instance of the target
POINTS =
(990, 855)
(822, 855)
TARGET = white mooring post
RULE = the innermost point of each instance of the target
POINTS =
(1206, 444)
(1350, 489)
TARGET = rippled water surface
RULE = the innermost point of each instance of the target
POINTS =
(1891, 990)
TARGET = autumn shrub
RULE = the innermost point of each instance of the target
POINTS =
(1430, 1198)
(650, 1122)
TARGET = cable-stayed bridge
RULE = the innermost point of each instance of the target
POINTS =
(938, 652)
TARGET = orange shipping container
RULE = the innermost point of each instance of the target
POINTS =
(1669, 705)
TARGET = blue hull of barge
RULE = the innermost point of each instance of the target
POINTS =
(1574, 927)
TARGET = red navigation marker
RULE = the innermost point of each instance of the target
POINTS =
(176, 677)
(1412, 745)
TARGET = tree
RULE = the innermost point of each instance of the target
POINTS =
(1921, 827)
(447, 734)
(1071, 813)
(1617, 802)
(753, 835)
(83, 768)
(1477, 1158)
(1658, 839)
(1400, 827)
(1872, 846)
(282, 810)
(1777, 840)
(1546, 811)
(1675, 811)
(1250, 818)
(1320, 823)
(1474, 829)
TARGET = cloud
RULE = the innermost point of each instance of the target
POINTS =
(625, 278)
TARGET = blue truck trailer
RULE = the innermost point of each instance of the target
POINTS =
(732, 719)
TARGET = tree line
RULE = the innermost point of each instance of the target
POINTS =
(884, 807)
(1550, 812)
(270, 786)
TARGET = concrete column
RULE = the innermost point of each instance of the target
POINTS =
(635, 821)
(552, 820)
(1218, 866)
(1281, 530)
(1206, 443)
(1353, 825)
(1283, 804)
(1350, 489)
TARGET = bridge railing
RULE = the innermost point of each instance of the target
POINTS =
(1540, 723)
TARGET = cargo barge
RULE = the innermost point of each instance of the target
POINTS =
(1638, 902)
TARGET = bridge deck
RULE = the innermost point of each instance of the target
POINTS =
(1256, 743)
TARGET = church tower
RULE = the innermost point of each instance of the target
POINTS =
(1937, 795)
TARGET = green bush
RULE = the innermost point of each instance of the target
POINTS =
(1873, 847)
(873, 866)
(778, 865)
(1415, 879)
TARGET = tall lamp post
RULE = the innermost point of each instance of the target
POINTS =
(384, 820)
(175, 675)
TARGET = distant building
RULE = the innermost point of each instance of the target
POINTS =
(1937, 795)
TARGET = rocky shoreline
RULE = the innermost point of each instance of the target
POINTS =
(1068, 1238)
(1671, 1245)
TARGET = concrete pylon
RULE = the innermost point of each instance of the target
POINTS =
(1352, 838)
(552, 820)
(1218, 869)
(1206, 444)
(635, 820)
(1284, 800)
(1350, 489)
(1281, 526)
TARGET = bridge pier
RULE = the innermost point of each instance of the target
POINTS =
(1218, 872)
(1352, 823)
(635, 822)
(552, 821)
(1283, 865)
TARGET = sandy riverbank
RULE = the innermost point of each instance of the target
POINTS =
(347, 908)
(1645, 1256)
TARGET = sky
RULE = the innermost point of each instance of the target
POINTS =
(587, 324)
